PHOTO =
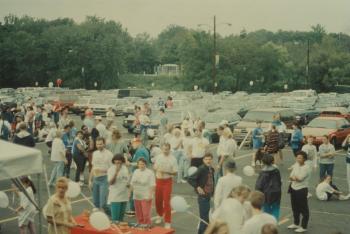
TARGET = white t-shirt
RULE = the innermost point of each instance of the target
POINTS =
(142, 182)
(322, 190)
(255, 223)
(118, 192)
(311, 151)
(231, 211)
(224, 187)
(102, 130)
(58, 151)
(51, 135)
(187, 143)
(303, 174)
(175, 142)
(165, 163)
(110, 115)
(199, 146)
(102, 160)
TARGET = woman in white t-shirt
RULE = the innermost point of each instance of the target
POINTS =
(326, 190)
(58, 157)
(143, 184)
(118, 179)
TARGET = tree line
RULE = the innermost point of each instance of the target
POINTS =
(97, 50)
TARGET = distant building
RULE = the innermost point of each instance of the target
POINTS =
(167, 69)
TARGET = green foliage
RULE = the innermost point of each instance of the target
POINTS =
(103, 51)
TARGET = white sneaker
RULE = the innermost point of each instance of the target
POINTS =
(293, 226)
(299, 230)
(167, 225)
(158, 220)
(184, 181)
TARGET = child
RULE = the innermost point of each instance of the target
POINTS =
(326, 190)
(26, 210)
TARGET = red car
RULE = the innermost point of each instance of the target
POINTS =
(336, 112)
(336, 128)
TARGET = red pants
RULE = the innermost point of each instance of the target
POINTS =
(163, 193)
(143, 211)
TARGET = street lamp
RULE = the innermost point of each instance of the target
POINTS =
(95, 84)
(285, 87)
(251, 83)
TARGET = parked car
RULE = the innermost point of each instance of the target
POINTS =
(248, 123)
(134, 92)
(305, 116)
(100, 106)
(336, 128)
(337, 112)
(80, 105)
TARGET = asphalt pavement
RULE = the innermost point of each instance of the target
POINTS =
(325, 217)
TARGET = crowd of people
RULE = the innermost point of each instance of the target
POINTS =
(126, 177)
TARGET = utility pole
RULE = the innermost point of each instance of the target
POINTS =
(214, 58)
(307, 80)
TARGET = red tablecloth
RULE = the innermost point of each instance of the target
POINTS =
(88, 229)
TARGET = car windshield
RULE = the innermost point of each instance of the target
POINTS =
(264, 116)
(323, 123)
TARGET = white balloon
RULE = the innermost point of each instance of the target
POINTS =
(73, 189)
(192, 170)
(179, 204)
(99, 220)
(248, 171)
(4, 200)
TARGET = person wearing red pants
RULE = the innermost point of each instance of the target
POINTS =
(166, 167)
(142, 184)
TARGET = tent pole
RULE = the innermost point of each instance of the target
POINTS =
(39, 204)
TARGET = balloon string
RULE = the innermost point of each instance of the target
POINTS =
(203, 221)
(87, 199)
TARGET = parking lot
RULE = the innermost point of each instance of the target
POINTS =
(326, 217)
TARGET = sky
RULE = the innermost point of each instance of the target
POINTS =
(153, 16)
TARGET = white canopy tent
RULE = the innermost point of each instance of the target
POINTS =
(17, 160)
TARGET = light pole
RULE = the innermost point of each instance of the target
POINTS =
(95, 84)
(285, 87)
(251, 83)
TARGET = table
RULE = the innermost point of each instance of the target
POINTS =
(88, 229)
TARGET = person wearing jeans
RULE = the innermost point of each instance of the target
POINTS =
(326, 153)
(203, 183)
(78, 152)
(298, 193)
(68, 142)
(57, 157)
(166, 167)
(101, 162)
(142, 184)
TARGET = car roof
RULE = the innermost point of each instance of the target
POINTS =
(333, 109)
(271, 109)
(330, 118)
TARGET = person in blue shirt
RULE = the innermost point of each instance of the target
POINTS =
(257, 138)
(67, 139)
(296, 139)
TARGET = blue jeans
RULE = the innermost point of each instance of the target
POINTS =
(204, 208)
(180, 158)
(57, 171)
(272, 209)
(326, 169)
(100, 191)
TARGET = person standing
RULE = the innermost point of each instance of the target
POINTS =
(68, 142)
(163, 122)
(203, 183)
(327, 153)
(296, 139)
(281, 129)
(101, 128)
(23, 137)
(59, 210)
(298, 190)
(177, 151)
(166, 167)
(311, 152)
(198, 148)
(269, 183)
(346, 146)
(110, 115)
(58, 157)
(226, 183)
(228, 149)
(26, 210)
(98, 181)
(64, 118)
(257, 137)
(118, 179)
(51, 135)
(89, 119)
(79, 156)
(117, 144)
(143, 184)
(259, 218)
(5, 129)
(271, 146)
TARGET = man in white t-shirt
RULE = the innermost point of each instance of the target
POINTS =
(58, 157)
(259, 218)
(101, 127)
(165, 166)
(198, 148)
(98, 181)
